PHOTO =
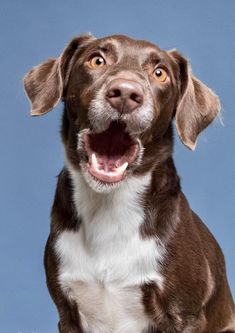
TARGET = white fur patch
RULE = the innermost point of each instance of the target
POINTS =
(103, 264)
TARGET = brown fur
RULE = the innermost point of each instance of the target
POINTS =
(196, 296)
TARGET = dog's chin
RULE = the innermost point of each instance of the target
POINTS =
(109, 157)
(98, 185)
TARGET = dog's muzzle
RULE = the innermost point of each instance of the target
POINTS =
(119, 113)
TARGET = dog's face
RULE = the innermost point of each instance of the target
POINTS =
(116, 94)
(120, 97)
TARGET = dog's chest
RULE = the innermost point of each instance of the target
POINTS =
(104, 263)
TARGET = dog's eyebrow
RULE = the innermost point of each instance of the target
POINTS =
(106, 48)
(155, 58)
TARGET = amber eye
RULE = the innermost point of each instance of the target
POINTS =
(160, 74)
(97, 62)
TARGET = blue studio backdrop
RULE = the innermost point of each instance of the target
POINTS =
(31, 150)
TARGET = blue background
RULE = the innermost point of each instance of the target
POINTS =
(32, 154)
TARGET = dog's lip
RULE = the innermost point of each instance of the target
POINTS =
(109, 162)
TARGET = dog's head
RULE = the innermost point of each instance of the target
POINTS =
(120, 97)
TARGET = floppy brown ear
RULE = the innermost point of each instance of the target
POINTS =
(197, 104)
(44, 84)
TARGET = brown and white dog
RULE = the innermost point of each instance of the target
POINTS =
(126, 254)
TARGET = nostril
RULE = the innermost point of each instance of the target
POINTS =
(114, 93)
(136, 98)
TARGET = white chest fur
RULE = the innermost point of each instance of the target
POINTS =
(103, 264)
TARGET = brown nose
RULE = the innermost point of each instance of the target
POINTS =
(124, 95)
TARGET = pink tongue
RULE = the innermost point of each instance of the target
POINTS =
(110, 163)
(106, 169)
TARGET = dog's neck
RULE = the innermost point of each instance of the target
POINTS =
(123, 203)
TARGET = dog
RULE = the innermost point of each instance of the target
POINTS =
(125, 253)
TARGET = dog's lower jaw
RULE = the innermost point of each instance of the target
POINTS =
(97, 185)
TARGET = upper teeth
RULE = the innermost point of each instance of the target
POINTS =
(117, 171)
(94, 161)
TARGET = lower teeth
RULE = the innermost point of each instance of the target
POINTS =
(116, 171)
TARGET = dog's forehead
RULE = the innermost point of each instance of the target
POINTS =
(130, 42)
(128, 47)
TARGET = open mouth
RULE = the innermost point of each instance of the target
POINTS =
(110, 153)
